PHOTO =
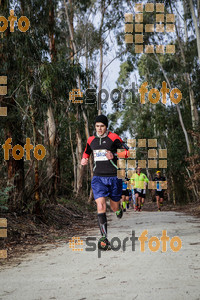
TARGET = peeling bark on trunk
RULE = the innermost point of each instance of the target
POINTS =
(51, 127)
(52, 158)
(51, 161)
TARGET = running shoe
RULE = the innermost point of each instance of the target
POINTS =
(159, 209)
(104, 244)
(119, 213)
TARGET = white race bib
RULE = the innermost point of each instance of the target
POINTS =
(139, 190)
(100, 155)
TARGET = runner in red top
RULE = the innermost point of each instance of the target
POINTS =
(105, 183)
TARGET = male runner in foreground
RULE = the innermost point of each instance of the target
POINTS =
(159, 193)
(139, 181)
(105, 183)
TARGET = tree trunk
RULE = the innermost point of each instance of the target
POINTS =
(185, 21)
(51, 31)
(177, 107)
(51, 158)
(73, 157)
(80, 168)
(193, 185)
(101, 55)
(78, 135)
(37, 205)
(90, 159)
(194, 111)
(173, 191)
(195, 20)
(70, 21)
(15, 179)
(51, 126)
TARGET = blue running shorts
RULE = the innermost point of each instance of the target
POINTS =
(107, 187)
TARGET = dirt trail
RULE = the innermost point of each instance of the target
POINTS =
(65, 274)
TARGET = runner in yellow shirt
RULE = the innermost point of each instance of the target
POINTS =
(139, 181)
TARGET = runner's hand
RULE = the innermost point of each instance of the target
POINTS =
(84, 161)
(109, 155)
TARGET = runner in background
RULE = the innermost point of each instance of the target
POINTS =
(159, 192)
(139, 180)
(125, 194)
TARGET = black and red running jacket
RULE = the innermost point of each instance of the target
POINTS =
(111, 142)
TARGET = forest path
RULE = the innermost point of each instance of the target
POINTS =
(65, 274)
